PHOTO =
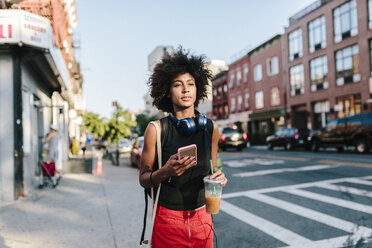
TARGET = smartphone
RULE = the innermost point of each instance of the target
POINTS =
(187, 151)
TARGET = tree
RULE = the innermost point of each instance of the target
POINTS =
(143, 121)
(94, 124)
(119, 126)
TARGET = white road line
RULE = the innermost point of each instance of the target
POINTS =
(335, 242)
(311, 214)
(360, 181)
(284, 235)
(276, 171)
(331, 200)
(345, 189)
(292, 186)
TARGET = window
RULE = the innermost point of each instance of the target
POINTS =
(224, 90)
(297, 84)
(318, 73)
(257, 72)
(317, 34)
(239, 101)
(232, 102)
(219, 92)
(245, 73)
(238, 76)
(232, 77)
(295, 44)
(274, 97)
(370, 13)
(347, 65)
(272, 66)
(259, 101)
(345, 21)
(215, 92)
(246, 99)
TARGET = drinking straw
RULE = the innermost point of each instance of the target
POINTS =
(214, 187)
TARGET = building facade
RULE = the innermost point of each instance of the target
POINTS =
(238, 92)
(39, 83)
(327, 62)
(220, 99)
(267, 101)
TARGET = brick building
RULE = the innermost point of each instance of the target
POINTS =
(327, 62)
(267, 101)
(220, 98)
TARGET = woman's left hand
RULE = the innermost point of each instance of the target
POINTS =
(219, 175)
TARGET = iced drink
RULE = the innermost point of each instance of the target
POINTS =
(213, 191)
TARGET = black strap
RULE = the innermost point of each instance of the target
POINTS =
(144, 219)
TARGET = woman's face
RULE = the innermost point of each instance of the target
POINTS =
(183, 91)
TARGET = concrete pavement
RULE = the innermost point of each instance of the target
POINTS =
(83, 211)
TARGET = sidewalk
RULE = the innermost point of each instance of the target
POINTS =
(83, 211)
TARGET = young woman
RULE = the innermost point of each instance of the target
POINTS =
(179, 82)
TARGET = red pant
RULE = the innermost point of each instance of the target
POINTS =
(176, 229)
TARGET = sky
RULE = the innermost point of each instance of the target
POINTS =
(117, 36)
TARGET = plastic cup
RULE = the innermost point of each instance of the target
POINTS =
(213, 192)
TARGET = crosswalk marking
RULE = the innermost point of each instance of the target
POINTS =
(282, 170)
(311, 214)
(292, 186)
(284, 235)
(331, 200)
(346, 189)
(360, 181)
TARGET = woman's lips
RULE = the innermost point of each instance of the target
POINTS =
(186, 98)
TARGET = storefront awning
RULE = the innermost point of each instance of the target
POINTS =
(267, 114)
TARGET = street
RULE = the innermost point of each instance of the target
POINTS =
(295, 199)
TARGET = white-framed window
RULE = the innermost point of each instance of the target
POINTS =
(219, 92)
(215, 92)
(274, 96)
(232, 77)
(224, 90)
(318, 73)
(259, 99)
(295, 44)
(347, 65)
(296, 80)
(272, 66)
(257, 72)
(232, 103)
(239, 101)
(246, 72)
(317, 34)
(345, 21)
(246, 99)
(238, 76)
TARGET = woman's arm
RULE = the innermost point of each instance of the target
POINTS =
(217, 173)
(173, 167)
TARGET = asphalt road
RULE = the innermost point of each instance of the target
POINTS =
(295, 199)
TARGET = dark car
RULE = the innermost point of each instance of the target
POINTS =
(135, 154)
(354, 131)
(232, 137)
(289, 138)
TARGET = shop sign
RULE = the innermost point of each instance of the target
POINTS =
(21, 27)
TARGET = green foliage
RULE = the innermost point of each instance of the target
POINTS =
(94, 124)
(143, 121)
(118, 127)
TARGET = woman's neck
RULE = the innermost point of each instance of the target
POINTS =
(184, 113)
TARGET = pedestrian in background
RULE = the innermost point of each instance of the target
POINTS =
(179, 82)
(51, 145)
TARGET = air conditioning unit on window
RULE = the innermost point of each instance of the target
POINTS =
(340, 81)
(325, 85)
(313, 87)
(356, 77)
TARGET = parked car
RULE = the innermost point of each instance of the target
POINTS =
(125, 145)
(135, 154)
(289, 138)
(232, 137)
(354, 131)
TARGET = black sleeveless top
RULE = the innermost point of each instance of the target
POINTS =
(185, 192)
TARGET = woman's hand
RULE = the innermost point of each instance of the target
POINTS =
(175, 167)
(219, 175)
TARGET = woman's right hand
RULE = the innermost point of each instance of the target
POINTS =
(175, 167)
